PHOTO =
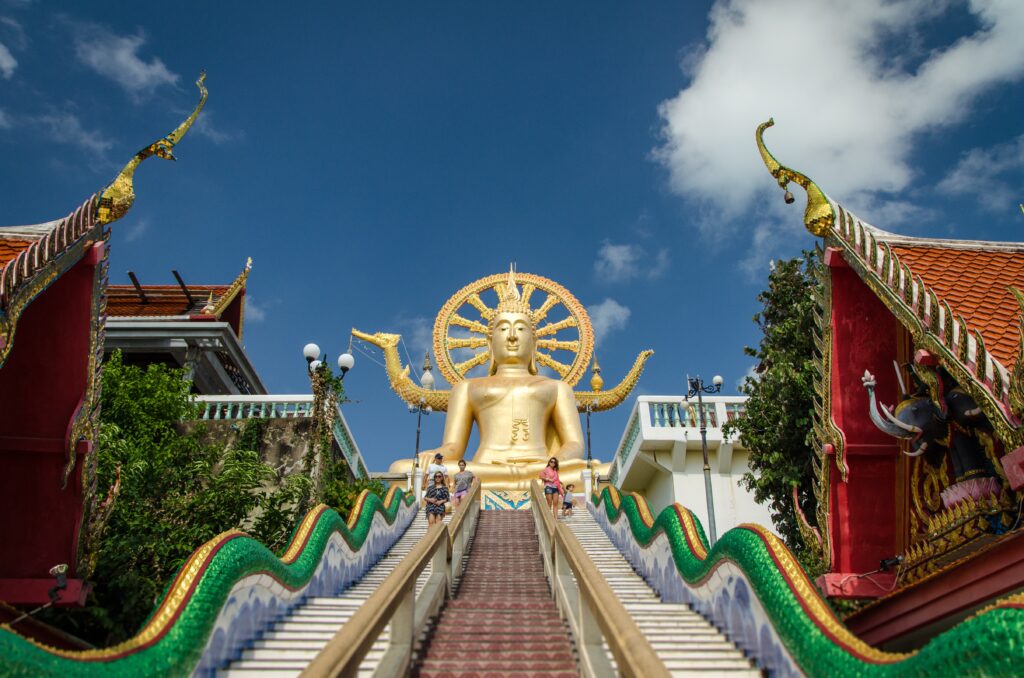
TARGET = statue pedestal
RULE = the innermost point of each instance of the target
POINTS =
(505, 500)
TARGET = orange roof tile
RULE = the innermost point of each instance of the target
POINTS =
(124, 301)
(974, 284)
(11, 248)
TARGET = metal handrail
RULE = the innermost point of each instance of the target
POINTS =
(584, 597)
(396, 602)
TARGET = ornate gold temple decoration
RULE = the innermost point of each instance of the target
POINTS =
(826, 437)
(1016, 385)
(956, 532)
(456, 331)
(596, 381)
(818, 215)
(118, 197)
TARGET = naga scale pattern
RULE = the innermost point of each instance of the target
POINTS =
(753, 589)
(189, 627)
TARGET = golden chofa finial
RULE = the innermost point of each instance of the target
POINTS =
(118, 197)
(819, 216)
(210, 306)
(596, 382)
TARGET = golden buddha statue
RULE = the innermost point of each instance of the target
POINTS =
(522, 416)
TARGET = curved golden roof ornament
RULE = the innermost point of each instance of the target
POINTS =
(819, 216)
(118, 197)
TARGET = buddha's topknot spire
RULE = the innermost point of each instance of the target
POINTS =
(509, 299)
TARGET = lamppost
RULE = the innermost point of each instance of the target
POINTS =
(588, 474)
(419, 409)
(314, 360)
(697, 388)
(321, 408)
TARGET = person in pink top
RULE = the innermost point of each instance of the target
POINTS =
(552, 485)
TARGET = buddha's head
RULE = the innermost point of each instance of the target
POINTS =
(513, 339)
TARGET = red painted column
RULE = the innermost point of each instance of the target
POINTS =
(863, 509)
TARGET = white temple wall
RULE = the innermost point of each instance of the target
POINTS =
(660, 456)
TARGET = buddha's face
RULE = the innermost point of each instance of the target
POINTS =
(512, 340)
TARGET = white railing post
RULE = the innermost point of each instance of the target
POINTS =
(417, 483)
(588, 483)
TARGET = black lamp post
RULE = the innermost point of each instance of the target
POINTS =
(419, 409)
(697, 388)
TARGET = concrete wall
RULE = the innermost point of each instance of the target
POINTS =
(660, 456)
(283, 445)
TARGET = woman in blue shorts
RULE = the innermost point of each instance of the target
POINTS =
(437, 496)
(552, 485)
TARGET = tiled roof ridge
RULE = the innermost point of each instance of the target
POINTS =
(64, 234)
(941, 243)
(28, 232)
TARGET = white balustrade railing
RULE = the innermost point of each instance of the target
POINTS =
(667, 417)
(254, 406)
(676, 412)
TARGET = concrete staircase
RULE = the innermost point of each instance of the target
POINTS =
(686, 643)
(502, 620)
(287, 647)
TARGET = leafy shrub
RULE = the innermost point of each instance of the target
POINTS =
(176, 493)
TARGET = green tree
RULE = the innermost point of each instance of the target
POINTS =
(780, 408)
(174, 493)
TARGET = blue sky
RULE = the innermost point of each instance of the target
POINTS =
(374, 159)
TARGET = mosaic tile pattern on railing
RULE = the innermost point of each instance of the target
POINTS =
(228, 591)
(752, 588)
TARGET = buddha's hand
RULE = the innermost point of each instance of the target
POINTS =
(427, 458)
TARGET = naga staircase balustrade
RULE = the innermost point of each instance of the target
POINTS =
(397, 603)
(595, 614)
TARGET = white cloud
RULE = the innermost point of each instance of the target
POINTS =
(205, 126)
(620, 263)
(418, 333)
(981, 172)
(136, 230)
(116, 57)
(607, 317)
(751, 374)
(14, 33)
(7, 62)
(255, 313)
(5, 122)
(847, 107)
(66, 128)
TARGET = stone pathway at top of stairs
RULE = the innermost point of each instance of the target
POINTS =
(502, 620)
(686, 642)
(290, 644)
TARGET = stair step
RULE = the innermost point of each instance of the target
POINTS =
(486, 665)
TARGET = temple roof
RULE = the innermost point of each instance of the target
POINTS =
(123, 301)
(170, 302)
(973, 280)
(11, 248)
(960, 299)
